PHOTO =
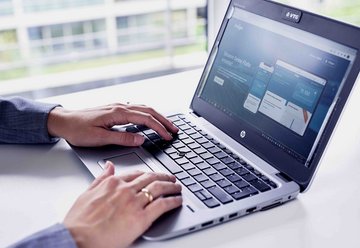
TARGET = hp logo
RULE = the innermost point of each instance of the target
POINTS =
(242, 134)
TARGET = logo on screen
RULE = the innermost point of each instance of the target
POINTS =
(291, 15)
(242, 134)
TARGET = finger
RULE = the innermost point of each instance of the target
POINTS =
(130, 176)
(160, 206)
(147, 178)
(120, 138)
(163, 120)
(157, 189)
(109, 171)
(141, 118)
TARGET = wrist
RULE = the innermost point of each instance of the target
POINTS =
(56, 122)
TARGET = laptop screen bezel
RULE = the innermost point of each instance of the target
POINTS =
(341, 33)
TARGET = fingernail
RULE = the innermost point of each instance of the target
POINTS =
(107, 164)
(139, 140)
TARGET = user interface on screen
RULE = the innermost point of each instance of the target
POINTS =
(280, 80)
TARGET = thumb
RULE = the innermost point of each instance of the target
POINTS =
(109, 171)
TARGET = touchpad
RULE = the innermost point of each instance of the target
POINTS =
(126, 163)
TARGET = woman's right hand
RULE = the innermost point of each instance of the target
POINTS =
(114, 211)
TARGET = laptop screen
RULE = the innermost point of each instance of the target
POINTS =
(281, 81)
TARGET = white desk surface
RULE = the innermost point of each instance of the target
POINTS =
(39, 183)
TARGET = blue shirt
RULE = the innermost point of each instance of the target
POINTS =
(25, 121)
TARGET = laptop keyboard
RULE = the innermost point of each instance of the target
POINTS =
(202, 164)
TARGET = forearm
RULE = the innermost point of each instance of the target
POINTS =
(24, 121)
(54, 236)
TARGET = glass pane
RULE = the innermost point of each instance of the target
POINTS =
(87, 37)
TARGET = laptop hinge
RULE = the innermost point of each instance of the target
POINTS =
(195, 114)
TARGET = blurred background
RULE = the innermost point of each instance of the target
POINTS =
(50, 47)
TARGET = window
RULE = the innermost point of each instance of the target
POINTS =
(6, 7)
(125, 37)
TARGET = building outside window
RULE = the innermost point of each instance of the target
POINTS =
(43, 41)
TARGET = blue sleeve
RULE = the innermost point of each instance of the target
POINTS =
(24, 121)
(55, 236)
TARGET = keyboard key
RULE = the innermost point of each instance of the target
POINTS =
(220, 194)
(228, 151)
(220, 155)
(188, 181)
(216, 177)
(226, 172)
(241, 184)
(199, 150)
(202, 165)
(202, 140)
(190, 131)
(223, 183)
(201, 178)
(257, 173)
(219, 166)
(265, 178)
(235, 165)
(196, 160)
(187, 166)
(209, 171)
(213, 161)
(206, 194)
(178, 145)
(249, 177)
(272, 184)
(175, 119)
(200, 195)
(241, 171)
(260, 185)
(195, 136)
(207, 145)
(181, 175)
(241, 161)
(175, 156)
(231, 189)
(181, 161)
(214, 150)
(249, 167)
(190, 155)
(188, 141)
(184, 150)
(222, 147)
(184, 127)
(194, 145)
(195, 187)
(153, 136)
(227, 160)
(207, 184)
(206, 155)
(132, 129)
(142, 127)
(170, 150)
(233, 178)
(182, 136)
(194, 172)
(241, 194)
(244, 192)
(211, 203)
(252, 190)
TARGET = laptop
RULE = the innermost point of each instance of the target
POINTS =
(268, 100)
